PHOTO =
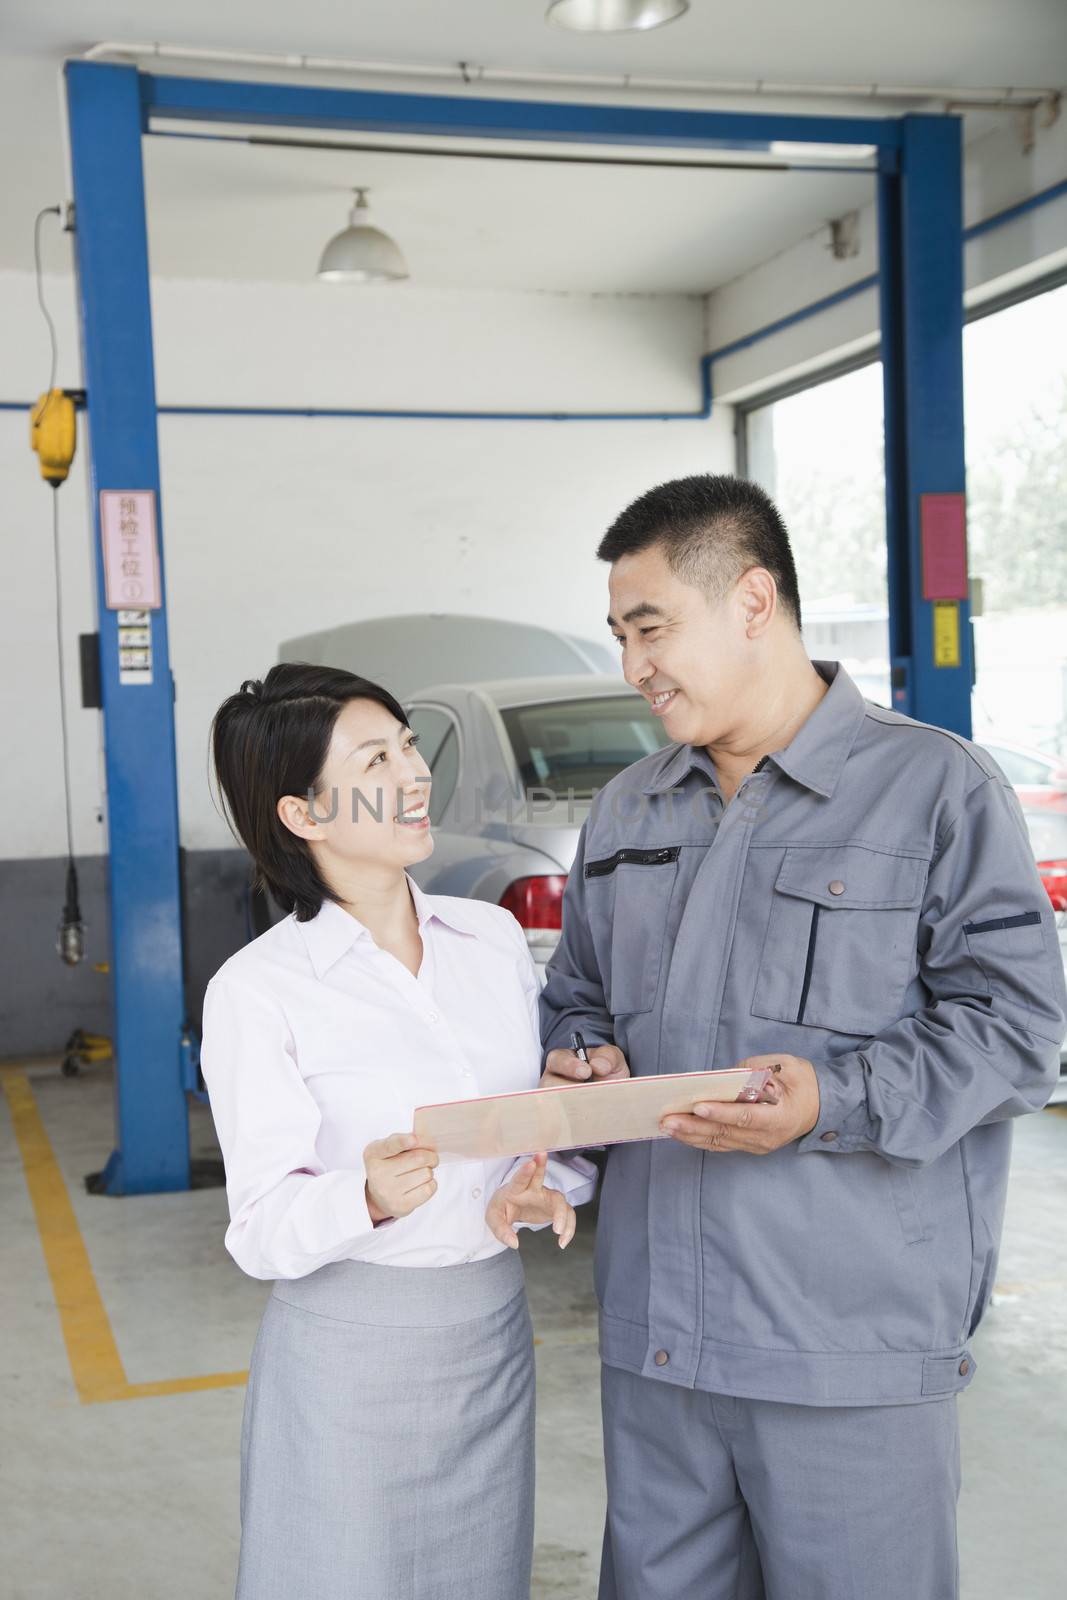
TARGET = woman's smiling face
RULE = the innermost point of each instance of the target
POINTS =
(371, 806)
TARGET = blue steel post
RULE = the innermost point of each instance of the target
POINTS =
(921, 288)
(898, 550)
(152, 1154)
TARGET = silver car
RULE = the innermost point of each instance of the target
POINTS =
(1048, 836)
(515, 765)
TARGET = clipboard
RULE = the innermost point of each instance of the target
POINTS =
(573, 1116)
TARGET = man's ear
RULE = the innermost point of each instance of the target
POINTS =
(757, 596)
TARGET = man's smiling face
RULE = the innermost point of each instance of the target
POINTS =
(684, 654)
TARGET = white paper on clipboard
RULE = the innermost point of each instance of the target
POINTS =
(574, 1116)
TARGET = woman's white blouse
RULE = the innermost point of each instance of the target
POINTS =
(315, 1042)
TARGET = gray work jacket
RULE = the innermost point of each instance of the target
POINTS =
(868, 900)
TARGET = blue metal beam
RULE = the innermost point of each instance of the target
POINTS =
(300, 106)
(814, 308)
(152, 1132)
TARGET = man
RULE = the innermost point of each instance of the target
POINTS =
(809, 881)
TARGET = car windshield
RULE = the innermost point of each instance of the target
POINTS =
(575, 747)
(1023, 770)
(1048, 834)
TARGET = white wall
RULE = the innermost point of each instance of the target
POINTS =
(998, 174)
(274, 527)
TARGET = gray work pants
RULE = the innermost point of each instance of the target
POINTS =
(711, 1497)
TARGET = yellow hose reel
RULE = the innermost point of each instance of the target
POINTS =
(53, 435)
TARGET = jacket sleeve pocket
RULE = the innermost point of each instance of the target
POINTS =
(1003, 948)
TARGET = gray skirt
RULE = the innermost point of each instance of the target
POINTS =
(387, 1449)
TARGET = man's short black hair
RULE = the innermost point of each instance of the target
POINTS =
(712, 528)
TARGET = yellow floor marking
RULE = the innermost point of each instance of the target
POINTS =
(1057, 1111)
(95, 1363)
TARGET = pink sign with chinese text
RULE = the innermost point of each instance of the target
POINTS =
(943, 532)
(131, 551)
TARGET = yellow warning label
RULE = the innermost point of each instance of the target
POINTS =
(946, 633)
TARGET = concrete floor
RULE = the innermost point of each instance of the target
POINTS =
(136, 1498)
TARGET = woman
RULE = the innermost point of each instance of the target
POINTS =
(387, 1445)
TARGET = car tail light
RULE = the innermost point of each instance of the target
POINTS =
(1054, 877)
(538, 905)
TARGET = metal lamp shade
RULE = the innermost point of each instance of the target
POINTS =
(362, 254)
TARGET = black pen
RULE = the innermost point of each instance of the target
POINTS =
(578, 1046)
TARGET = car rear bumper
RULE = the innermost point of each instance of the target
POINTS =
(1059, 1093)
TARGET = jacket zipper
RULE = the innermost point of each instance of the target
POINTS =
(810, 961)
(637, 858)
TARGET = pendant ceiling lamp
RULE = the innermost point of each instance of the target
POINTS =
(614, 16)
(362, 253)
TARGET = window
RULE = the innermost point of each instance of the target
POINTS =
(818, 453)
(819, 456)
(439, 748)
(1015, 367)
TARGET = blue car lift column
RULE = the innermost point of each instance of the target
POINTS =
(111, 107)
(920, 204)
(151, 1112)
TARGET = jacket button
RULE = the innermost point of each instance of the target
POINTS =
(837, 887)
(965, 1367)
(828, 1138)
(662, 1358)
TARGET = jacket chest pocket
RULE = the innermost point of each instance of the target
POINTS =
(629, 895)
(840, 946)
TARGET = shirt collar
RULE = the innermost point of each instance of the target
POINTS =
(462, 916)
(333, 931)
(679, 763)
(814, 757)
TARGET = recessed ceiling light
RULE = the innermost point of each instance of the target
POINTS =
(614, 16)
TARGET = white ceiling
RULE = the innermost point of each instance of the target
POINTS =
(906, 41)
(236, 211)
(479, 224)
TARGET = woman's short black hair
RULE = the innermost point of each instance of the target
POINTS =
(271, 739)
(712, 528)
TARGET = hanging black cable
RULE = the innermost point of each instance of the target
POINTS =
(47, 211)
(70, 940)
(62, 677)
